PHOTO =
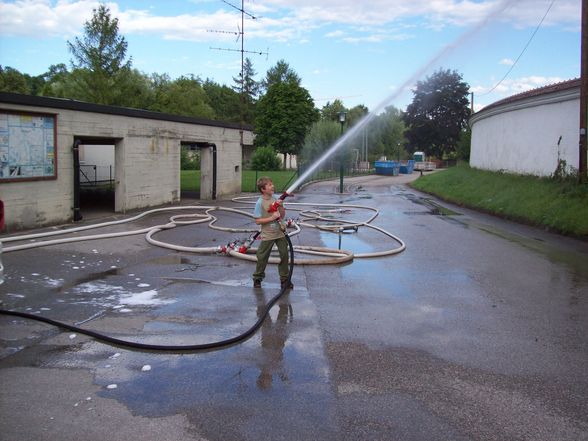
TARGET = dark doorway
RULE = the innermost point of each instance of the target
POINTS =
(95, 173)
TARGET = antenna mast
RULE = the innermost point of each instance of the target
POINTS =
(240, 35)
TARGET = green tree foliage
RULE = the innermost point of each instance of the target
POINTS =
(320, 137)
(464, 144)
(331, 111)
(55, 80)
(438, 113)
(385, 133)
(183, 96)
(12, 80)
(284, 114)
(355, 114)
(224, 101)
(265, 159)
(99, 60)
(249, 89)
(189, 159)
(280, 73)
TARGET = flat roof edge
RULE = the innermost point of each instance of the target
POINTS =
(82, 106)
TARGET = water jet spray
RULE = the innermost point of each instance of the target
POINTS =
(500, 7)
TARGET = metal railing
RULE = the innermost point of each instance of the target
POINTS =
(96, 175)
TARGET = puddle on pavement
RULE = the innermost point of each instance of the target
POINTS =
(349, 241)
(281, 368)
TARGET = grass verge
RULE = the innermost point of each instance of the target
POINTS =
(190, 179)
(554, 205)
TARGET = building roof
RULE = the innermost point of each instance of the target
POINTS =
(82, 106)
(557, 87)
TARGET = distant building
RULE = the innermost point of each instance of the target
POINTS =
(530, 132)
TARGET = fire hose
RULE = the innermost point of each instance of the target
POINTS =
(333, 256)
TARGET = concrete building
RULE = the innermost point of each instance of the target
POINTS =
(40, 140)
(530, 132)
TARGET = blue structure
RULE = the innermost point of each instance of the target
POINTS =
(393, 168)
(390, 168)
(407, 168)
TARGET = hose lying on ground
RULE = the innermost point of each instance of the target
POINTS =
(330, 256)
(169, 348)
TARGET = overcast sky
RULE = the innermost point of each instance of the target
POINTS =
(362, 52)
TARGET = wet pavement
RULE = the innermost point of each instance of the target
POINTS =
(477, 331)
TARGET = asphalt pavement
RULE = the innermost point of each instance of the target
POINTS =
(478, 330)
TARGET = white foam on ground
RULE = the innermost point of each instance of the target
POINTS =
(145, 298)
(117, 297)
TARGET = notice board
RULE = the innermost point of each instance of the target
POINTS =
(27, 146)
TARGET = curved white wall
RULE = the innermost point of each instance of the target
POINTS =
(522, 136)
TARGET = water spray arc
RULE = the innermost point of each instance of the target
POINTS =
(362, 123)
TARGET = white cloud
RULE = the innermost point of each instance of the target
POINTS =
(506, 62)
(39, 18)
(335, 34)
(281, 20)
(515, 86)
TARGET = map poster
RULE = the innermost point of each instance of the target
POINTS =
(27, 146)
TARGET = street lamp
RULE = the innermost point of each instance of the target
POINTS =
(342, 122)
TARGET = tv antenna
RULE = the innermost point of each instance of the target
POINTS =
(240, 35)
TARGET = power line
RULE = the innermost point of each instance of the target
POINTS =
(522, 52)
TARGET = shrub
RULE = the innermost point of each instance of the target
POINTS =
(265, 159)
(189, 160)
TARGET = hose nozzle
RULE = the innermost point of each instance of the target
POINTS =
(274, 207)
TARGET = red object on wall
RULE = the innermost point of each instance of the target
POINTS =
(1, 215)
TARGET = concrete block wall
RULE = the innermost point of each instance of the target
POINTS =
(147, 164)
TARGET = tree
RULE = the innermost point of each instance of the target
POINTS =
(331, 111)
(100, 59)
(55, 80)
(280, 73)
(386, 134)
(224, 101)
(464, 144)
(355, 114)
(249, 88)
(284, 115)
(183, 96)
(12, 80)
(322, 135)
(438, 113)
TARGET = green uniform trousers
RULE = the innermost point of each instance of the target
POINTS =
(263, 254)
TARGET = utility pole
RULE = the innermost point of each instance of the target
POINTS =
(583, 92)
